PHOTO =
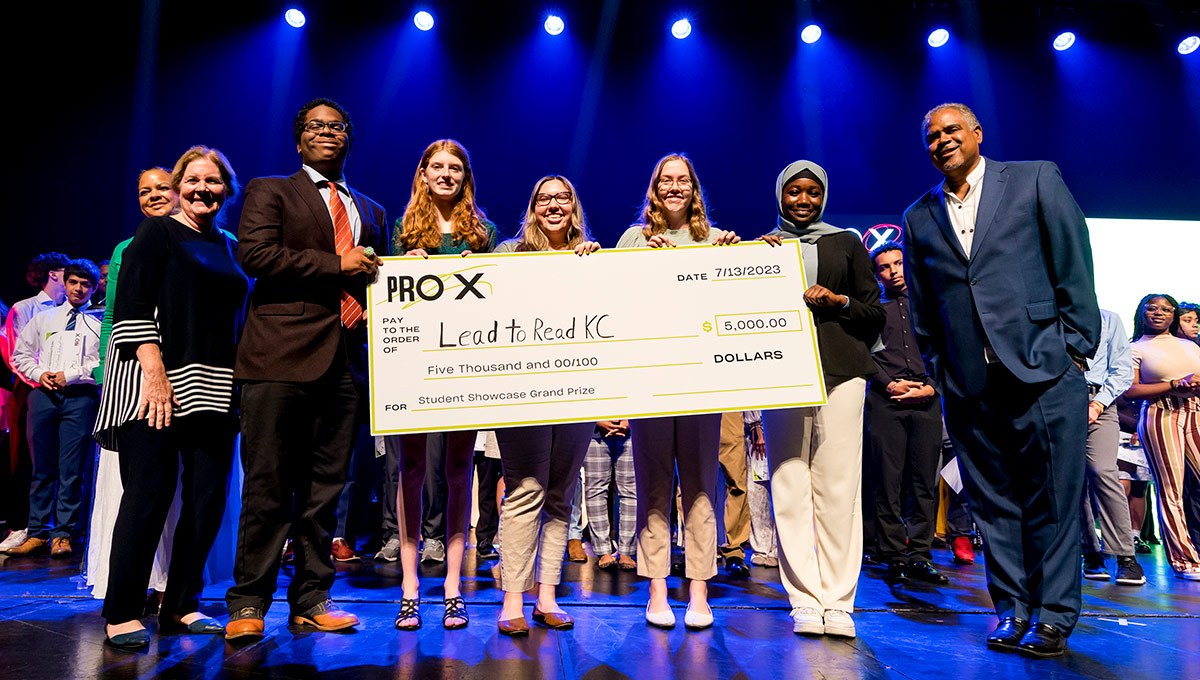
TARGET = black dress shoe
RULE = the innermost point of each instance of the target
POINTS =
(1043, 641)
(735, 567)
(897, 572)
(926, 573)
(1007, 634)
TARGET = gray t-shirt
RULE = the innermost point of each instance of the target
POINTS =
(633, 238)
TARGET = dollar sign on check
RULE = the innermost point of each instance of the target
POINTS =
(707, 327)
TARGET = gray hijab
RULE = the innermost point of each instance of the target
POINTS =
(807, 233)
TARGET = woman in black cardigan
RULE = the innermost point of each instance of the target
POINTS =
(816, 453)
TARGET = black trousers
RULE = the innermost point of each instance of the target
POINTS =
(489, 471)
(906, 443)
(298, 438)
(149, 461)
(1022, 448)
(433, 500)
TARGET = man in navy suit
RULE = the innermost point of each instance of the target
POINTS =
(1000, 277)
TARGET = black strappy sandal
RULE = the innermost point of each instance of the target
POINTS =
(455, 609)
(408, 611)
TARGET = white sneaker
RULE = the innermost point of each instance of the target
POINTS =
(663, 619)
(839, 623)
(390, 551)
(1189, 575)
(807, 621)
(695, 620)
(434, 551)
(14, 539)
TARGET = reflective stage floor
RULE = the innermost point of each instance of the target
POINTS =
(51, 628)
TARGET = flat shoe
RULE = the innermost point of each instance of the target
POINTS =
(201, 626)
(517, 627)
(697, 620)
(663, 619)
(555, 620)
(132, 640)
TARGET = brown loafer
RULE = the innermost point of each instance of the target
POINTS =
(627, 563)
(325, 616)
(514, 627)
(575, 551)
(31, 546)
(60, 546)
(245, 622)
(555, 620)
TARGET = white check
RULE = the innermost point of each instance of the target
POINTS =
(536, 338)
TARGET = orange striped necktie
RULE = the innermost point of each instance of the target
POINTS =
(343, 242)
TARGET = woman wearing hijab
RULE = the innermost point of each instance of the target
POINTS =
(815, 453)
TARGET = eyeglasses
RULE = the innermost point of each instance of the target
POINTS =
(1154, 309)
(316, 126)
(561, 198)
(682, 183)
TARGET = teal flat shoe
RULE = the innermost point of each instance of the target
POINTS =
(201, 626)
(130, 641)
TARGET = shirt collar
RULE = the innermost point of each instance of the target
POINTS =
(884, 297)
(974, 179)
(43, 299)
(318, 178)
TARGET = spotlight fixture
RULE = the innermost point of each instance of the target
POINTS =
(938, 37)
(294, 17)
(1189, 44)
(1064, 41)
(811, 34)
(554, 25)
(423, 20)
(681, 29)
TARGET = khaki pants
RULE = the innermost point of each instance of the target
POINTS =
(660, 446)
(733, 463)
(815, 456)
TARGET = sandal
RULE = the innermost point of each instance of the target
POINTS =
(608, 561)
(455, 609)
(408, 612)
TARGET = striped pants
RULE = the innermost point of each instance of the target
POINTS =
(1170, 432)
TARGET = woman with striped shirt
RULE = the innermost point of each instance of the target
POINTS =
(169, 396)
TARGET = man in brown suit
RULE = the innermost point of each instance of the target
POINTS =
(303, 369)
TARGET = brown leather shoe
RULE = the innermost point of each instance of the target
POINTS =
(514, 627)
(575, 551)
(608, 561)
(342, 552)
(555, 620)
(325, 616)
(60, 547)
(245, 622)
(627, 563)
(31, 546)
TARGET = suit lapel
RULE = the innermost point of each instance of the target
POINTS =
(366, 234)
(936, 202)
(311, 195)
(995, 180)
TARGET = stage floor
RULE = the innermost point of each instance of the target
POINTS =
(51, 628)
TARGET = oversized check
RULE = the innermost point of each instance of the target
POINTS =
(512, 339)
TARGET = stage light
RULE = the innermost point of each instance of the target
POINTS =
(423, 20)
(811, 33)
(938, 37)
(294, 18)
(1064, 40)
(1189, 44)
(681, 29)
(554, 25)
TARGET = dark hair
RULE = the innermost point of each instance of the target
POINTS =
(1185, 307)
(38, 271)
(101, 263)
(885, 247)
(84, 269)
(302, 118)
(1139, 317)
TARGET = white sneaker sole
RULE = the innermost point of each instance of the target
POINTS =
(808, 628)
(837, 631)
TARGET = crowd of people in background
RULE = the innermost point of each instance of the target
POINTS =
(160, 377)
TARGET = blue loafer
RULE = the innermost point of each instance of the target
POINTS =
(201, 626)
(132, 641)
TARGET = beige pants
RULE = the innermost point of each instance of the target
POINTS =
(733, 464)
(660, 446)
(815, 456)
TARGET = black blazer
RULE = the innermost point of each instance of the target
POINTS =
(845, 336)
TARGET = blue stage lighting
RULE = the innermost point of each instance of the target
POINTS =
(681, 29)
(554, 25)
(811, 33)
(294, 17)
(423, 20)
(938, 37)
(1189, 44)
(1064, 40)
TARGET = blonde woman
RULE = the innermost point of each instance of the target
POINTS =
(674, 214)
(541, 462)
(442, 218)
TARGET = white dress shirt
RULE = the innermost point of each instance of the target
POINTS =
(78, 351)
(18, 317)
(962, 212)
(347, 200)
